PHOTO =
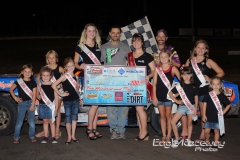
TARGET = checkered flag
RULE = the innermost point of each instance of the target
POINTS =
(141, 26)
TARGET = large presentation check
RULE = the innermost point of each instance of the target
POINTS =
(115, 85)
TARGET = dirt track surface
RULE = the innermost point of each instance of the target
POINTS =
(108, 149)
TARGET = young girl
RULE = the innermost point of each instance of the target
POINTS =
(52, 60)
(162, 83)
(47, 98)
(27, 89)
(212, 110)
(186, 100)
(70, 96)
(202, 65)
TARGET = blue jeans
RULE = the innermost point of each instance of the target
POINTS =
(166, 104)
(117, 117)
(211, 125)
(200, 98)
(71, 110)
(182, 109)
(24, 107)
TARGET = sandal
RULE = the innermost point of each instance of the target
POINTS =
(168, 140)
(58, 135)
(75, 140)
(164, 139)
(97, 134)
(90, 132)
(16, 141)
(67, 143)
(33, 140)
(40, 134)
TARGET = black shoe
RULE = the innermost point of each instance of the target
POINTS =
(88, 131)
(54, 140)
(75, 140)
(97, 134)
(45, 139)
(146, 137)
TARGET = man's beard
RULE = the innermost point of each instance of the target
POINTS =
(115, 39)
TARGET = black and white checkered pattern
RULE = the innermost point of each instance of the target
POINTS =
(141, 26)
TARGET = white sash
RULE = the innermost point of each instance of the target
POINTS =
(47, 101)
(71, 80)
(91, 55)
(184, 97)
(165, 80)
(198, 72)
(25, 87)
(220, 112)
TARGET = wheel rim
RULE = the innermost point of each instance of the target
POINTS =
(4, 117)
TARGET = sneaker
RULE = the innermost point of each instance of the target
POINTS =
(114, 134)
(121, 136)
(54, 140)
(45, 139)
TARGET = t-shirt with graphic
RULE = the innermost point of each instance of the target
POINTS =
(144, 60)
(211, 110)
(114, 54)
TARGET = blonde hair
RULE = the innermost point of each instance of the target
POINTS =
(51, 52)
(168, 53)
(194, 53)
(220, 80)
(83, 38)
(23, 68)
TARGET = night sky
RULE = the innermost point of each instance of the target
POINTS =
(170, 15)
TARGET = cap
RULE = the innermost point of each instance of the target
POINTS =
(162, 30)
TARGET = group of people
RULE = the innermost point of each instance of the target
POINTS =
(56, 84)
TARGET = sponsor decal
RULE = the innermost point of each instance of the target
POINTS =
(131, 98)
(94, 70)
(135, 71)
(118, 96)
(106, 96)
(6, 85)
(91, 96)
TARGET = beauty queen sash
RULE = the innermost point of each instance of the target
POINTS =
(71, 80)
(25, 87)
(165, 80)
(198, 72)
(47, 101)
(184, 97)
(220, 112)
(131, 62)
(91, 55)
